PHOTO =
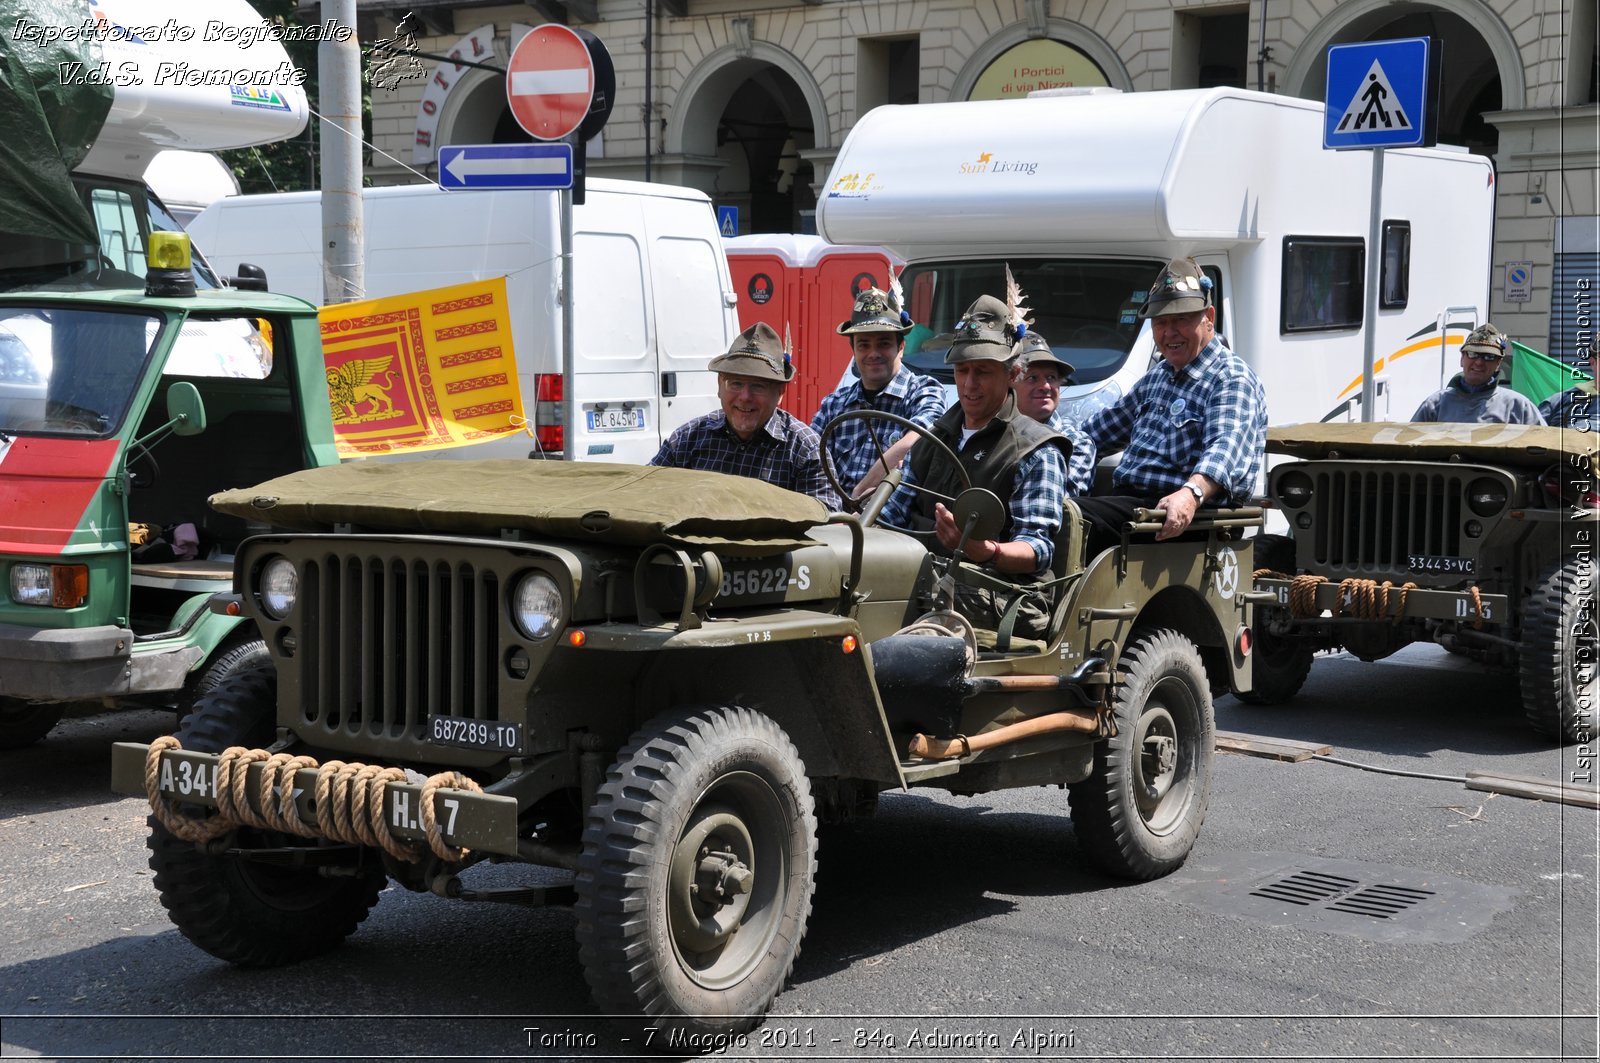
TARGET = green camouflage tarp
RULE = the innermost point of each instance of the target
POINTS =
(587, 501)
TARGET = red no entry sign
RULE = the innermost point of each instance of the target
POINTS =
(550, 82)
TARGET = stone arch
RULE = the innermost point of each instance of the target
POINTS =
(1351, 19)
(705, 93)
(1076, 34)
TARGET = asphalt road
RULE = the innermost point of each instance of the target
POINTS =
(943, 928)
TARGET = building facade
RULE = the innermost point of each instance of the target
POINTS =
(751, 100)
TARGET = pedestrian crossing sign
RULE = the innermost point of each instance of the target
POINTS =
(728, 221)
(1381, 94)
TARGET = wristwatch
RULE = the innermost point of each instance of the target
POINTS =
(1195, 489)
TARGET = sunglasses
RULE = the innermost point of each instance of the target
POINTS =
(1481, 357)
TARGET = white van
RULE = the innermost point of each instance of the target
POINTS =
(653, 303)
(1087, 194)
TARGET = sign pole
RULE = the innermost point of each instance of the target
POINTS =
(1369, 342)
(569, 404)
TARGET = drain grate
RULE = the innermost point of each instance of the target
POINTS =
(1373, 901)
(1306, 887)
(1381, 902)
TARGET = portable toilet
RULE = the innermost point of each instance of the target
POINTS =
(808, 285)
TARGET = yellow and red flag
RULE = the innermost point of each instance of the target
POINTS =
(423, 371)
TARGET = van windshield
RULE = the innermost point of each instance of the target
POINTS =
(1087, 308)
(67, 372)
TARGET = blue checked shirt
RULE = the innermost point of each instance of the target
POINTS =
(784, 453)
(1080, 467)
(910, 395)
(1577, 407)
(1041, 484)
(1208, 418)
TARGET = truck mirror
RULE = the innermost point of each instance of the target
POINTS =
(251, 278)
(984, 508)
(186, 411)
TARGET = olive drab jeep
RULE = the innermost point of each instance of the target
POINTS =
(123, 406)
(1479, 537)
(657, 682)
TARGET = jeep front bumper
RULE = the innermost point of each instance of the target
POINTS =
(479, 821)
(1414, 604)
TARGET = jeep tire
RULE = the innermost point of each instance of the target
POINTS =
(1139, 812)
(243, 650)
(1557, 664)
(250, 913)
(697, 871)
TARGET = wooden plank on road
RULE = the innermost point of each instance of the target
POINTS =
(1273, 748)
(1538, 789)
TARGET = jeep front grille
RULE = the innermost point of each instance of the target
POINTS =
(389, 640)
(1371, 520)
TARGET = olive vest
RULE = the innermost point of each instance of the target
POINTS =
(990, 458)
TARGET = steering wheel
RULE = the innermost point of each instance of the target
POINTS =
(875, 502)
(1095, 336)
(137, 453)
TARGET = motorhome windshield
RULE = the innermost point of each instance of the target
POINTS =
(125, 213)
(1087, 308)
(70, 372)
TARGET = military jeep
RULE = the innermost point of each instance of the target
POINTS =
(650, 685)
(1479, 537)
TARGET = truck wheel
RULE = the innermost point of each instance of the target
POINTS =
(1557, 664)
(695, 883)
(244, 650)
(249, 913)
(22, 724)
(1138, 813)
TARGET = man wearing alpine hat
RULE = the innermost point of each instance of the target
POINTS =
(1475, 395)
(1192, 430)
(1038, 387)
(750, 436)
(1001, 448)
(877, 333)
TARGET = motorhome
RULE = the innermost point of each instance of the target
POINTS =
(1087, 193)
(190, 75)
(652, 299)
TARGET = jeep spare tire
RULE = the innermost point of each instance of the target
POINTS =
(1557, 665)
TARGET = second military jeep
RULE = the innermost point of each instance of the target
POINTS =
(655, 682)
(1480, 537)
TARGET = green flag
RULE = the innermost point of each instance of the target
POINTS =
(1538, 376)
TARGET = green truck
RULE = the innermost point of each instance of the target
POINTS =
(1479, 537)
(649, 686)
(121, 411)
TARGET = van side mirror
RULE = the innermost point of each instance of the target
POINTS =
(186, 411)
(251, 278)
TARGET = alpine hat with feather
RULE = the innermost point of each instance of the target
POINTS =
(990, 330)
(757, 352)
(1181, 288)
(876, 310)
(1034, 349)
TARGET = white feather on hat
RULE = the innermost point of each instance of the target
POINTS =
(1015, 307)
(899, 295)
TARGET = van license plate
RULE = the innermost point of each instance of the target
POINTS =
(616, 420)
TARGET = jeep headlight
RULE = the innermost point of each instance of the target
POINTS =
(280, 584)
(1486, 496)
(536, 605)
(1294, 490)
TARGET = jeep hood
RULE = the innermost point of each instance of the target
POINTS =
(634, 505)
(1491, 444)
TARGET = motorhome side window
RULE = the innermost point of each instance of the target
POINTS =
(1322, 283)
(1395, 284)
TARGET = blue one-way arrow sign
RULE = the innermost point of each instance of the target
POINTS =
(467, 166)
(1377, 95)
